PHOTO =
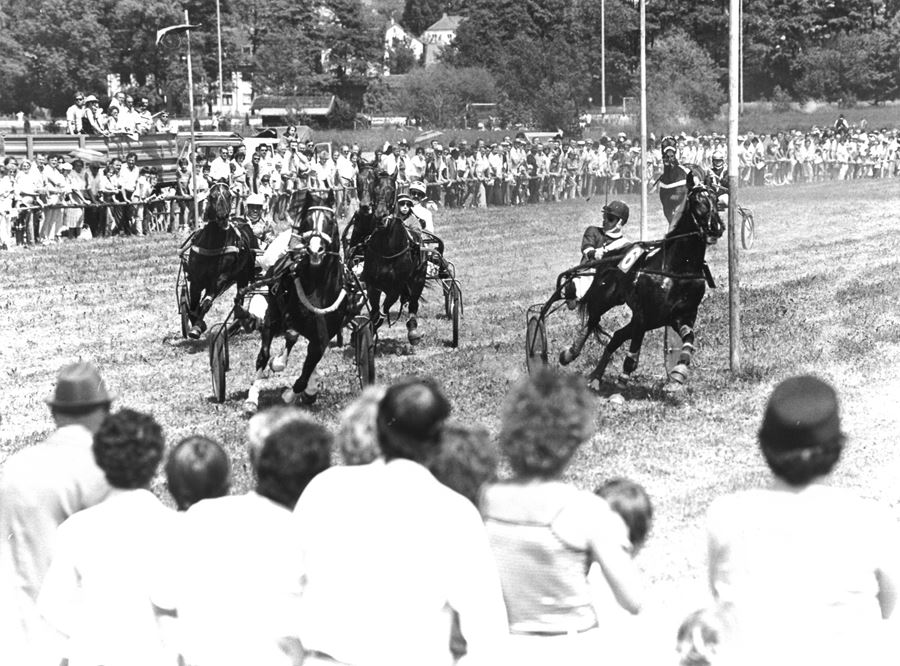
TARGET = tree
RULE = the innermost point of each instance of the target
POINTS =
(418, 15)
(13, 65)
(438, 96)
(400, 57)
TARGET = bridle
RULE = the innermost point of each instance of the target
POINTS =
(220, 198)
(316, 241)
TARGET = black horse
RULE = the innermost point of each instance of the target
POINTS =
(377, 193)
(308, 297)
(664, 288)
(221, 254)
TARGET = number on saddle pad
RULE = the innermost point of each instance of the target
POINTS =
(630, 258)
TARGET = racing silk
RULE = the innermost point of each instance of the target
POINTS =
(674, 184)
(717, 180)
(601, 242)
(425, 217)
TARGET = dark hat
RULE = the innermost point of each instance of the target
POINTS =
(79, 386)
(802, 413)
(617, 208)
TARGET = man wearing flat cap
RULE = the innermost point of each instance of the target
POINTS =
(424, 547)
(40, 487)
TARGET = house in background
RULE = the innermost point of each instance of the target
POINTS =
(439, 35)
(395, 35)
(278, 110)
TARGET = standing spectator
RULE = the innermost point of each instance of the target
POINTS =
(811, 569)
(345, 173)
(235, 581)
(112, 122)
(144, 120)
(128, 183)
(93, 121)
(128, 118)
(56, 185)
(96, 594)
(40, 487)
(415, 169)
(94, 218)
(163, 125)
(426, 553)
(8, 174)
(322, 171)
(117, 102)
(219, 170)
(75, 115)
(546, 533)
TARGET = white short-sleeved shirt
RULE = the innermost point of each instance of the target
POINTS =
(97, 589)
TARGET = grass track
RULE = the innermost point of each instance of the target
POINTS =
(820, 293)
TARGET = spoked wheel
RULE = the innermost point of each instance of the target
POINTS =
(454, 310)
(748, 231)
(671, 348)
(535, 344)
(363, 341)
(184, 310)
(218, 360)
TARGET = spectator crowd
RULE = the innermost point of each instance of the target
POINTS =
(394, 542)
(48, 198)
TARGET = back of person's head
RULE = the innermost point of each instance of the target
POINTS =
(262, 423)
(465, 459)
(357, 436)
(410, 416)
(293, 452)
(128, 447)
(197, 469)
(801, 436)
(632, 503)
(547, 416)
(704, 636)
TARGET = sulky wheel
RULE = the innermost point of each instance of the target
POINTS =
(535, 344)
(184, 310)
(748, 230)
(454, 298)
(218, 360)
(363, 341)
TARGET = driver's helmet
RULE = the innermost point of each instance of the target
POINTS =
(718, 158)
(668, 144)
(405, 199)
(618, 209)
(417, 189)
(255, 203)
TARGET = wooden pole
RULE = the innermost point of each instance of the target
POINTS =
(221, 80)
(603, 58)
(734, 278)
(643, 119)
(193, 160)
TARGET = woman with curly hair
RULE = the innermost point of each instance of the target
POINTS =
(808, 567)
(545, 533)
(97, 591)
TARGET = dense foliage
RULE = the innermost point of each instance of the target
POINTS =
(543, 56)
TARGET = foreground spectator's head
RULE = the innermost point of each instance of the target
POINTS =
(197, 469)
(706, 636)
(801, 436)
(80, 397)
(128, 447)
(262, 423)
(546, 418)
(357, 436)
(410, 417)
(465, 460)
(632, 503)
(293, 452)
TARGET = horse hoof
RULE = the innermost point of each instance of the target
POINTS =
(308, 398)
(673, 388)
(616, 399)
(195, 332)
(414, 337)
(277, 364)
(678, 374)
(566, 356)
(622, 381)
(288, 397)
(250, 408)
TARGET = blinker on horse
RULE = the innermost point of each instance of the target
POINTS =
(664, 288)
(220, 254)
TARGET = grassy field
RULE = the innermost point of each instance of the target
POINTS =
(819, 293)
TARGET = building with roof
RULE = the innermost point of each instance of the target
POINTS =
(277, 110)
(439, 35)
(396, 35)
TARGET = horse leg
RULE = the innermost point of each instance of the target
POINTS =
(412, 323)
(251, 404)
(631, 358)
(599, 299)
(279, 363)
(197, 308)
(679, 374)
(618, 338)
(306, 388)
(375, 307)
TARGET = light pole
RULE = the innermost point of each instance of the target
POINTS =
(221, 81)
(603, 58)
(643, 119)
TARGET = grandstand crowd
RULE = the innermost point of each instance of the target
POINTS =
(51, 197)
(394, 541)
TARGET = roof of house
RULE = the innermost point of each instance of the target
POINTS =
(279, 105)
(446, 22)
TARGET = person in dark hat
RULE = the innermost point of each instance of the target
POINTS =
(40, 487)
(426, 551)
(808, 566)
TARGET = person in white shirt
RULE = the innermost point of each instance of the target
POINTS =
(96, 594)
(322, 171)
(219, 168)
(235, 581)
(127, 121)
(128, 183)
(57, 184)
(40, 487)
(75, 115)
(7, 196)
(389, 553)
(345, 194)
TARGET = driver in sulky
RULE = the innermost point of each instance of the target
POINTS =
(606, 240)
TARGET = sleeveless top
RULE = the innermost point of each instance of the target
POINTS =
(544, 578)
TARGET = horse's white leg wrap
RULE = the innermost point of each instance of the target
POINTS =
(279, 363)
(251, 404)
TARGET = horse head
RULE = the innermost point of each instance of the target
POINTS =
(219, 204)
(703, 213)
(365, 185)
(317, 227)
(384, 195)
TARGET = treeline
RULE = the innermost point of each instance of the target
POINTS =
(538, 59)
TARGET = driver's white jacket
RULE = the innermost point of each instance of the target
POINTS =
(425, 215)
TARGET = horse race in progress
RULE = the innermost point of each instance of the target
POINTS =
(424, 333)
